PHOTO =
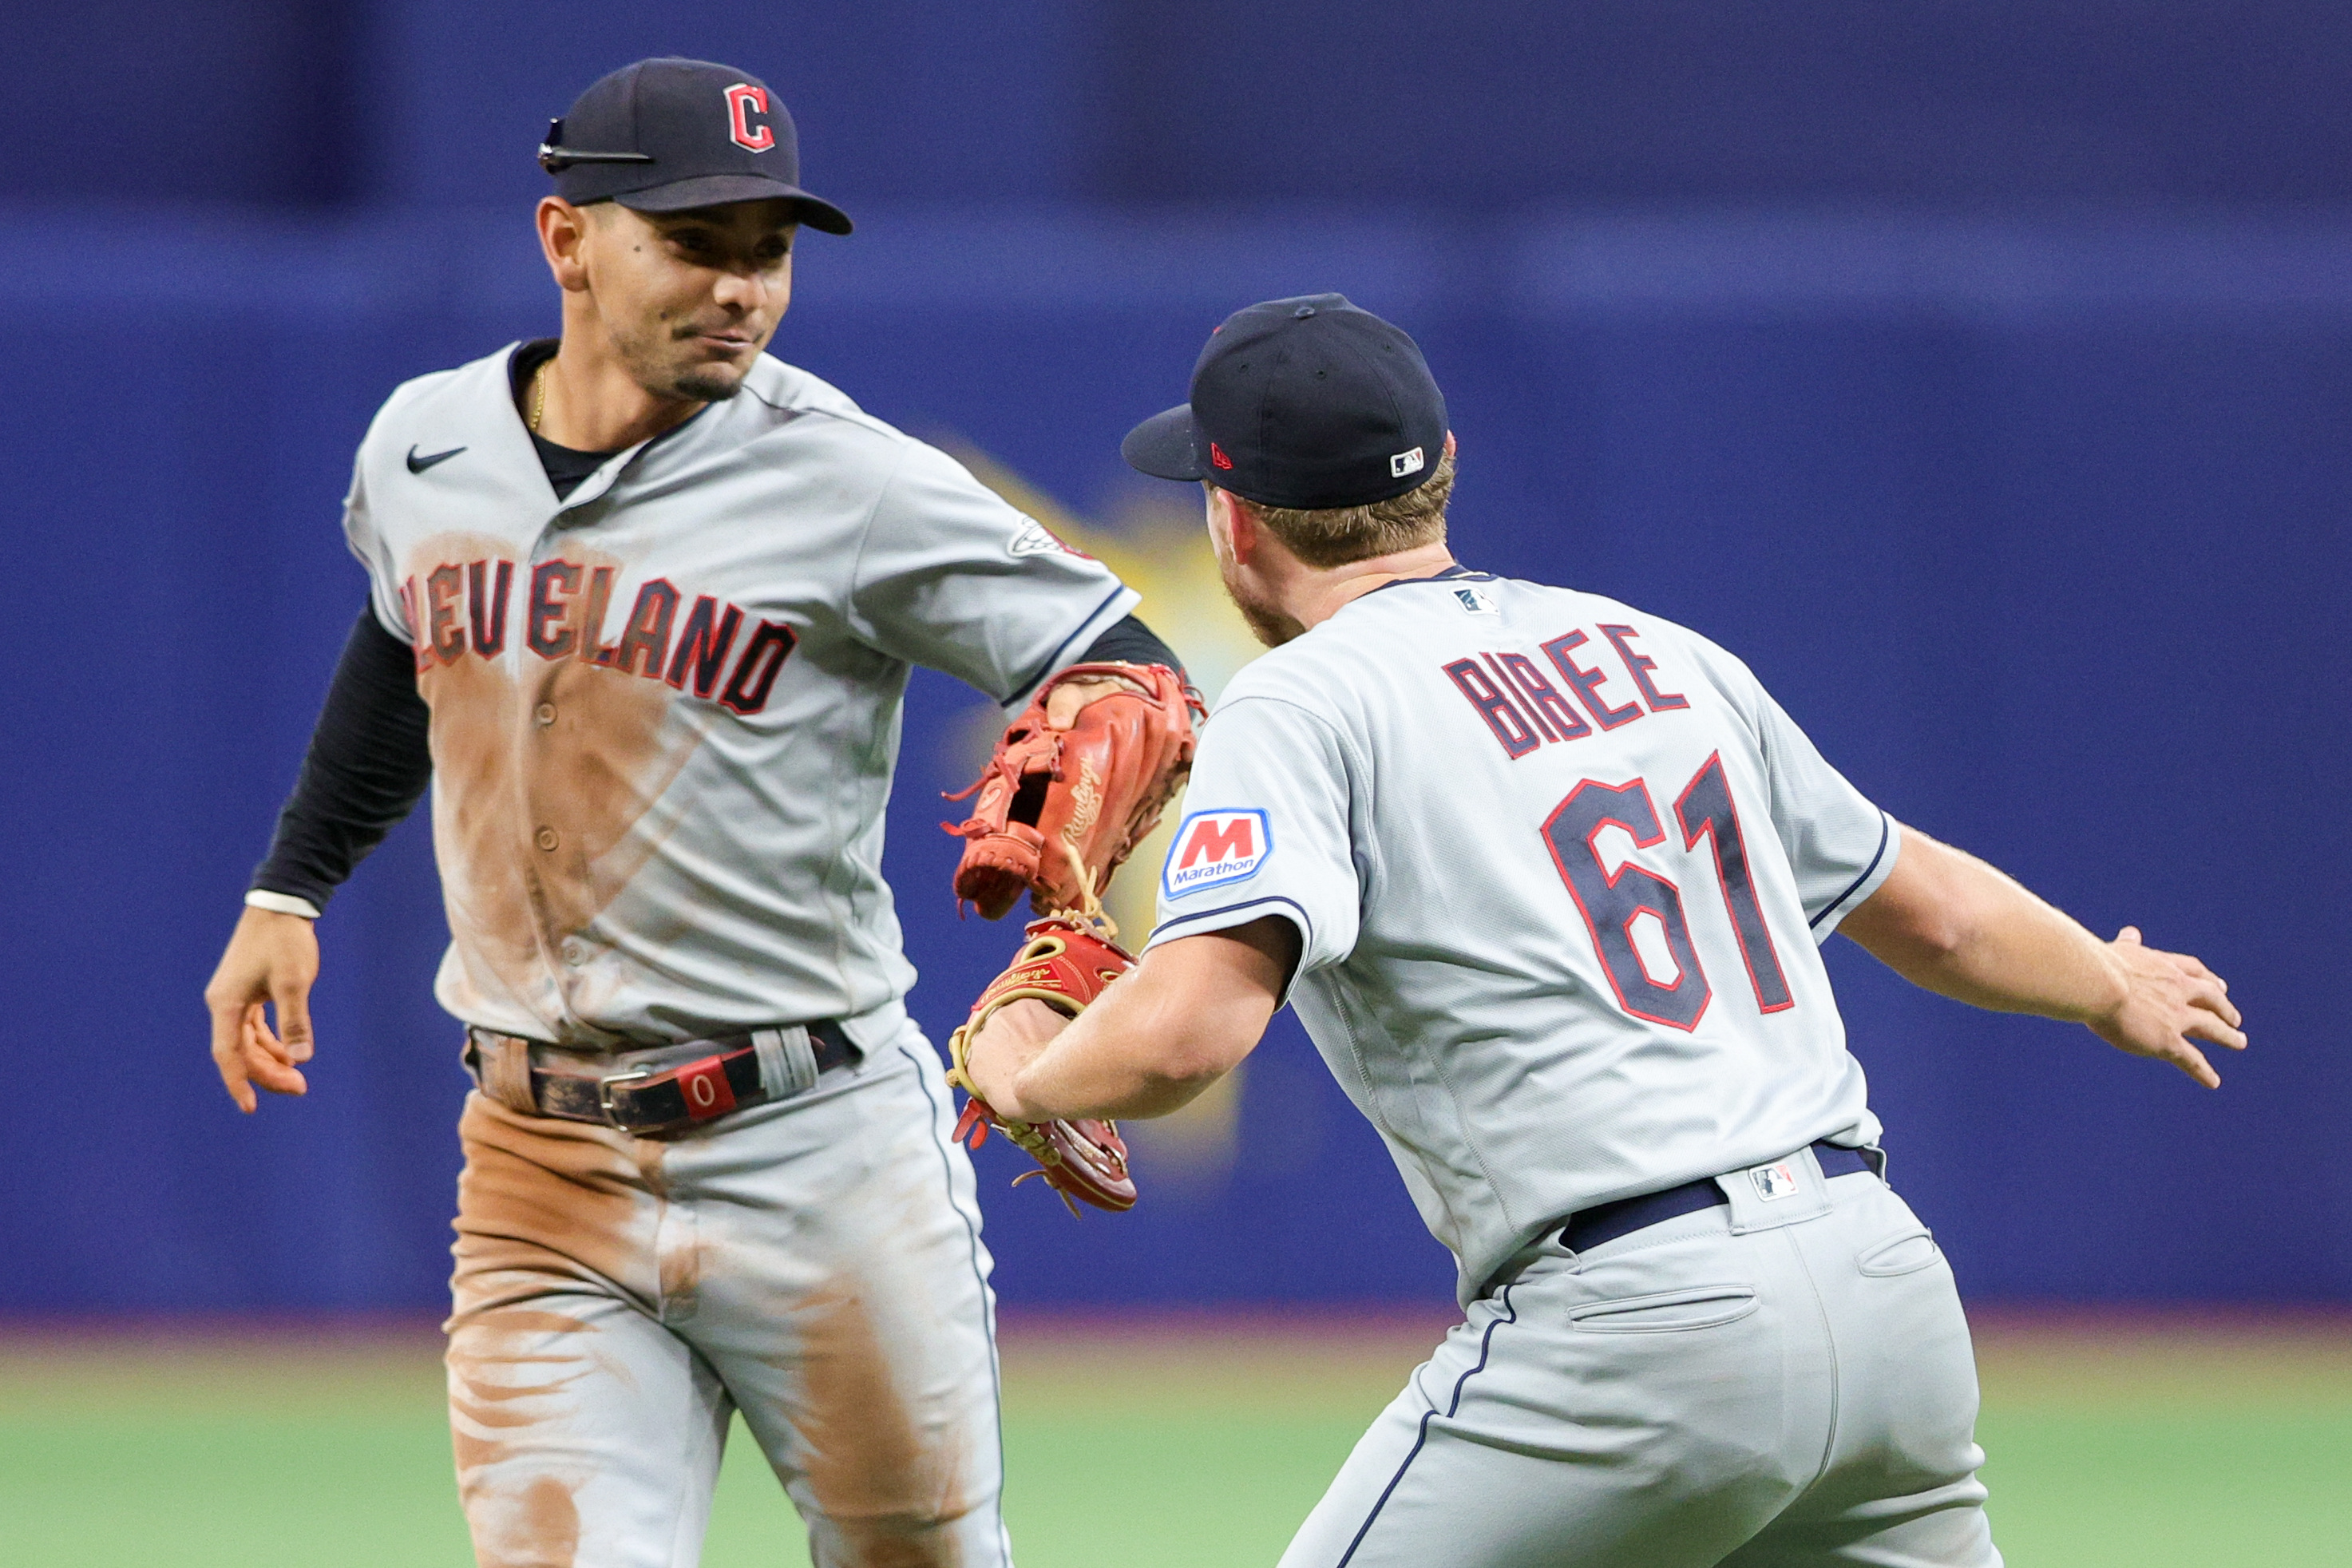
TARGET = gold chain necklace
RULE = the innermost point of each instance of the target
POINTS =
(539, 393)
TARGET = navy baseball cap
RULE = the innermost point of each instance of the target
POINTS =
(1306, 402)
(666, 134)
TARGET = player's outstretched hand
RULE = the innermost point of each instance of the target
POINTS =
(1068, 699)
(272, 960)
(2170, 999)
(1063, 966)
(1012, 1039)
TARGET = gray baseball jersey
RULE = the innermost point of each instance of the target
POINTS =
(1559, 869)
(666, 708)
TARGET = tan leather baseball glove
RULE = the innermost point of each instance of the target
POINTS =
(1065, 966)
(1059, 809)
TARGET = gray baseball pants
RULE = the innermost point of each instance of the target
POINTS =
(1784, 1380)
(815, 1263)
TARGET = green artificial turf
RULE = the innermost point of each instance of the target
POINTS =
(1194, 1446)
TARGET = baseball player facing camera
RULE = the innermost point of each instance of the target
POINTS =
(643, 605)
(1545, 877)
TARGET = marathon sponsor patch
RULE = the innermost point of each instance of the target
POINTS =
(1214, 847)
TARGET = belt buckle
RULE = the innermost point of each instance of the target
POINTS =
(605, 1093)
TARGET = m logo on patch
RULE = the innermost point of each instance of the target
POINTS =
(1214, 847)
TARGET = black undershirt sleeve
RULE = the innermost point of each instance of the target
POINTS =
(369, 759)
(1131, 641)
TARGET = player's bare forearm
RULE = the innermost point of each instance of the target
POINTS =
(1183, 1018)
(1948, 922)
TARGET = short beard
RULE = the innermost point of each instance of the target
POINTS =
(1267, 623)
(697, 387)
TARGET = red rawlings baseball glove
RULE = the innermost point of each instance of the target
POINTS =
(1065, 965)
(1060, 809)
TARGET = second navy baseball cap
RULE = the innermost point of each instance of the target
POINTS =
(663, 135)
(1307, 403)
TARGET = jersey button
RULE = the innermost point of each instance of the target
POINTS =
(548, 838)
(544, 713)
(574, 952)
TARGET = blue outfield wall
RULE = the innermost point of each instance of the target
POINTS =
(2040, 529)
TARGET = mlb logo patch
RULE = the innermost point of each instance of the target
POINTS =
(1476, 601)
(1775, 1181)
(1214, 847)
(1404, 463)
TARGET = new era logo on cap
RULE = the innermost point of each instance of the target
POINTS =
(1214, 847)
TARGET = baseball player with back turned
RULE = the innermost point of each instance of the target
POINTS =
(643, 602)
(1545, 877)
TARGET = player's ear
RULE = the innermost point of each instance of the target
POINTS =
(1248, 533)
(563, 240)
(1230, 527)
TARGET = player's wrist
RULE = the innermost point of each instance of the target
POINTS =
(281, 903)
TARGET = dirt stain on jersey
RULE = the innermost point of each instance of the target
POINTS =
(889, 1490)
(681, 1265)
(544, 1204)
(510, 1373)
(546, 775)
(542, 1531)
(490, 1391)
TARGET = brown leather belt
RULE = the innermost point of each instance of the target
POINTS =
(685, 1084)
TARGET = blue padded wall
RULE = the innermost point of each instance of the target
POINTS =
(2040, 527)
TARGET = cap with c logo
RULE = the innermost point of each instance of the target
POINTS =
(666, 134)
(1308, 402)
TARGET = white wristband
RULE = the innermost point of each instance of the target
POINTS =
(281, 903)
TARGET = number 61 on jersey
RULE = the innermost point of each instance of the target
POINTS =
(1633, 909)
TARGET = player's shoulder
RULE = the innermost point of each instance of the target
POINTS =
(1458, 604)
(789, 405)
(1353, 661)
(440, 398)
(784, 396)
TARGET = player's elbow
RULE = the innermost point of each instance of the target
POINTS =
(1190, 1065)
(1186, 1061)
(1931, 912)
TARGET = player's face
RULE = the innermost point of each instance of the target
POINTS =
(689, 299)
(1268, 621)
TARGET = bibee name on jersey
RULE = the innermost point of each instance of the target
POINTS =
(1523, 708)
(463, 605)
(1214, 847)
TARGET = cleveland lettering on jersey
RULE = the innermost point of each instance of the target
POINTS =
(460, 604)
(1523, 709)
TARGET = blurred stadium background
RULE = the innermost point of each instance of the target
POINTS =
(1980, 371)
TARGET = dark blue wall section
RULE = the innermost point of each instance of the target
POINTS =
(1477, 104)
(1486, 103)
(892, 97)
(248, 102)
(2040, 527)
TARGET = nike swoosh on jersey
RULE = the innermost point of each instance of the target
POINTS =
(417, 465)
